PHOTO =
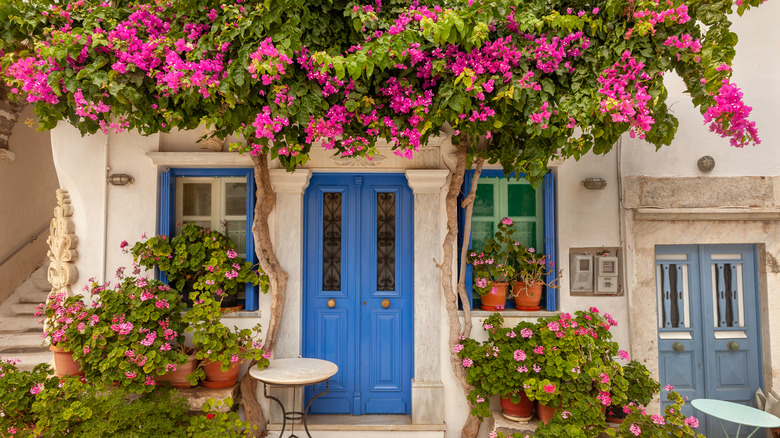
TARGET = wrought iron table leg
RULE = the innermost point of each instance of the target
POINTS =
(306, 412)
(281, 406)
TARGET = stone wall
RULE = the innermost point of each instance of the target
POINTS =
(698, 211)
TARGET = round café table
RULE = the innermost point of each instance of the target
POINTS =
(294, 373)
(736, 413)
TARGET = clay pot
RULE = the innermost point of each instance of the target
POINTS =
(521, 411)
(527, 297)
(178, 378)
(497, 301)
(64, 365)
(216, 378)
(546, 413)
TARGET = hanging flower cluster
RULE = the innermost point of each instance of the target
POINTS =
(524, 78)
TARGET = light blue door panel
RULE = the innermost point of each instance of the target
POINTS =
(708, 325)
(358, 252)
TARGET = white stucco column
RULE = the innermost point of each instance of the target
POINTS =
(427, 387)
(289, 188)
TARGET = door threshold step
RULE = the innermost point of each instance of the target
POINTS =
(362, 423)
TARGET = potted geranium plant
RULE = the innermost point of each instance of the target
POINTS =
(497, 367)
(641, 390)
(532, 269)
(575, 367)
(134, 333)
(221, 349)
(198, 260)
(493, 267)
(65, 321)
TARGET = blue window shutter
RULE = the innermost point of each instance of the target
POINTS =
(167, 206)
(549, 236)
(252, 291)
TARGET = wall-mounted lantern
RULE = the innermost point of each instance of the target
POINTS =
(120, 179)
(594, 183)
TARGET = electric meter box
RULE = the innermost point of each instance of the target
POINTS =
(581, 273)
(595, 271)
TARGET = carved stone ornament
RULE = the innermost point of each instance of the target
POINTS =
(358, 161)
(215, 144)
(62, 246)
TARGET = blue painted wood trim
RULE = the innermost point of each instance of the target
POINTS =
(168, 221)
(550, 234)
(252, 301)
(166, 216)
(550, 238)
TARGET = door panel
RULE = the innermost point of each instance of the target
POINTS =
(719, 294)
(358, 253)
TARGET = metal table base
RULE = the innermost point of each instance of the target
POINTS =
(294, 416)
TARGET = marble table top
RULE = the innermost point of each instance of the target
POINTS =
(295, 371)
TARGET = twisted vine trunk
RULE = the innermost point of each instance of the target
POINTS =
(471, 427)
(277, 279)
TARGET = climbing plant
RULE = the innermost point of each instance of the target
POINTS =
(515, 82)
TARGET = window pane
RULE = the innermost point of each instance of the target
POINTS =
(522, 200)
(480, 232)
(331, 242)
(484, 202)
(236, 230)
(235, 199)
(385, 241)
(197, 199)
(526, 234)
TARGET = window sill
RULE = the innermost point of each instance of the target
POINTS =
(242, 314)
(478, 313)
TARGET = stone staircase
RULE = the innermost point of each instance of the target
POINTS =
(20, 330)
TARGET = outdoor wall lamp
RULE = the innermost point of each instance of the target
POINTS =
(594, 183)
(120, 179)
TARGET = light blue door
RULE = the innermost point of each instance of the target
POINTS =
(709, 338)
(357, 288)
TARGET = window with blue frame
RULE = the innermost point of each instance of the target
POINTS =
(221, 199)
(531, 210)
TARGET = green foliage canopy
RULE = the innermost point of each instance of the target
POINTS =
(522, 82)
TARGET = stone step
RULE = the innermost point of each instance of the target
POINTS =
(33, 297)
(41, 283)
(24, 308)
(29, 360)
(20, 324)
(30, 339)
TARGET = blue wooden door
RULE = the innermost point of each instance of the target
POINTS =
(709, 338)
(357, 288)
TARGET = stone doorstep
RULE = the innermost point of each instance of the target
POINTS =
(373, 423)
(498, 423)
(198, 395)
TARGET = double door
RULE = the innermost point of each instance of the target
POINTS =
(708, 325)
(358, 278)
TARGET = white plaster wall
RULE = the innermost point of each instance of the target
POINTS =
(28, 199)
(132, 208)
(81, 163)
(755, 68)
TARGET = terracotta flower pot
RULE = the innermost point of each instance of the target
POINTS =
(178, 378)
(521, 411)
(545, 413)
(64, 365)
(495, 301)
(527, 297)
(216, 378)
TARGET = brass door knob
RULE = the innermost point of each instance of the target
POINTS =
(385, 303)
(331, 303)
(733, 345)
(678, 346)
